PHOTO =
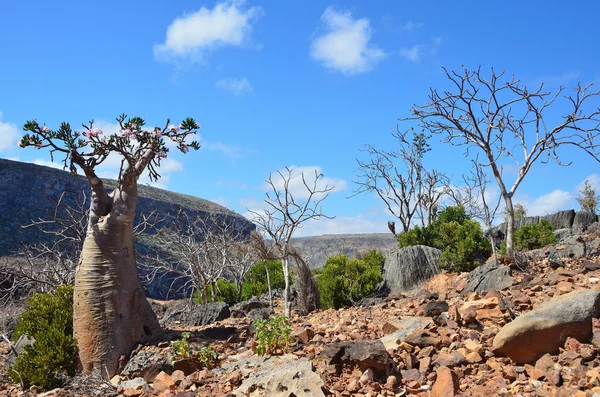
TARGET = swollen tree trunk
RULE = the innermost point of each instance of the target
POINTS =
(286, 293)
(111, 313)
(510, 224)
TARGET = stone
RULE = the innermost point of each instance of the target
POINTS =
(555, 262)
(410, 267)
(446, 383)
(189, 314)
(570, 247)
(583, 219)
(491, 276)
(404, 327)
(282, 377)
(242, 309)
(163, 382)
(304, 334)
(365, 354)
(18, 348)
(135, 383)
(435, 308)
(450, 359)
(546, 328)
(562, 233)
(146, 364)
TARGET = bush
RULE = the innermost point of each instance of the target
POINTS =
(226, 292)
(534, 236)
(461, 239)
(49, 320)
(465, 246)
(256, 279)
(274, 335)
(343, 281)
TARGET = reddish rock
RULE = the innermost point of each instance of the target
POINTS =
(446, 384)
(450, 359)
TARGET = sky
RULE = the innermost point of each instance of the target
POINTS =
(277, 84)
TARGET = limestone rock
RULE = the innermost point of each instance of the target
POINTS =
(410, 267)
(405, 327)
(583, 219)
(189, 314)
(488, 277)
(367, 354)
(545, 329)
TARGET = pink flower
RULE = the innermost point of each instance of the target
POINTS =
(45, 128)
(174, 128)
(162, 155)
(126, 132)
(89, 133)
(21, 144)
(97, 131)
(133, 126)
(157, 133)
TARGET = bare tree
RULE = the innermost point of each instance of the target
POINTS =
(195, 252)
(399, 178)
(501, 117)
(287, 212)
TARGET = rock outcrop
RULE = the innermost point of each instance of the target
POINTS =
(409, 267)
(488, 277)
(545, 329)
(188, 314)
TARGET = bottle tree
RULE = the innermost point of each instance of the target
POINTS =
(111, 313)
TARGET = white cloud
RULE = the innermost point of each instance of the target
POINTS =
(9, 135)
(594, 180)
(231, 151)
(229, 23)
(549, 203)
(345, 46)
(413, 54)
(237, 87)
(221, 201)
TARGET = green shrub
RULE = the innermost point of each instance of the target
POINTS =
(49, 320)
(461, 239)
(227, 292)
(343, 281)
(255, 283)
(207, 356)
(273, 335)
(181, 348)
(536, 235)
(465, 246)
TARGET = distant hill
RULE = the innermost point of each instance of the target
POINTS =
(319, 248)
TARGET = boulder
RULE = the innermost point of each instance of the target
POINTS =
(435, 308)
(404, 328)
(146, 364)
(364, 354)
(189, 314)
(544, 329)
(242, 309)
(583, 219)
(561, 220)
(488, 277)
(18, 348)
(274, 376)
(574, 247)
(562, 233)
(410, 267)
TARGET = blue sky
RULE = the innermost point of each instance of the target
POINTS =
(277, 84)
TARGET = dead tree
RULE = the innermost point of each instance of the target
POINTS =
(500, 117)
(401, 181)
(194, 252)
(286, 212)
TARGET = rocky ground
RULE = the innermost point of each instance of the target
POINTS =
(437, 341)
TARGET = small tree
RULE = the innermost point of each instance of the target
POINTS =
(520, 211)
(401, 181)
(111, 313)
(286, 212)
(587, 199)
(502, 118)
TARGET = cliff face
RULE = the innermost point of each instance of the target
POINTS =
(26, 190)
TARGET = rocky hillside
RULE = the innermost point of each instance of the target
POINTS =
(318, 248)
(531, 329)
(25, 189)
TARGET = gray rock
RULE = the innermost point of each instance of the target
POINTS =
(242, 309)
(364, 354)
(136, 383)
(545, 329)
(559, 220)
(146, 365)
(583, 219)
(405, 327)
(263, 313)
(410, 267)
(570, 247)
(279, 376)
(435, 308)
(488, 277)
(562, 233)
(18, 348)
(189, 314)
(555, 262)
